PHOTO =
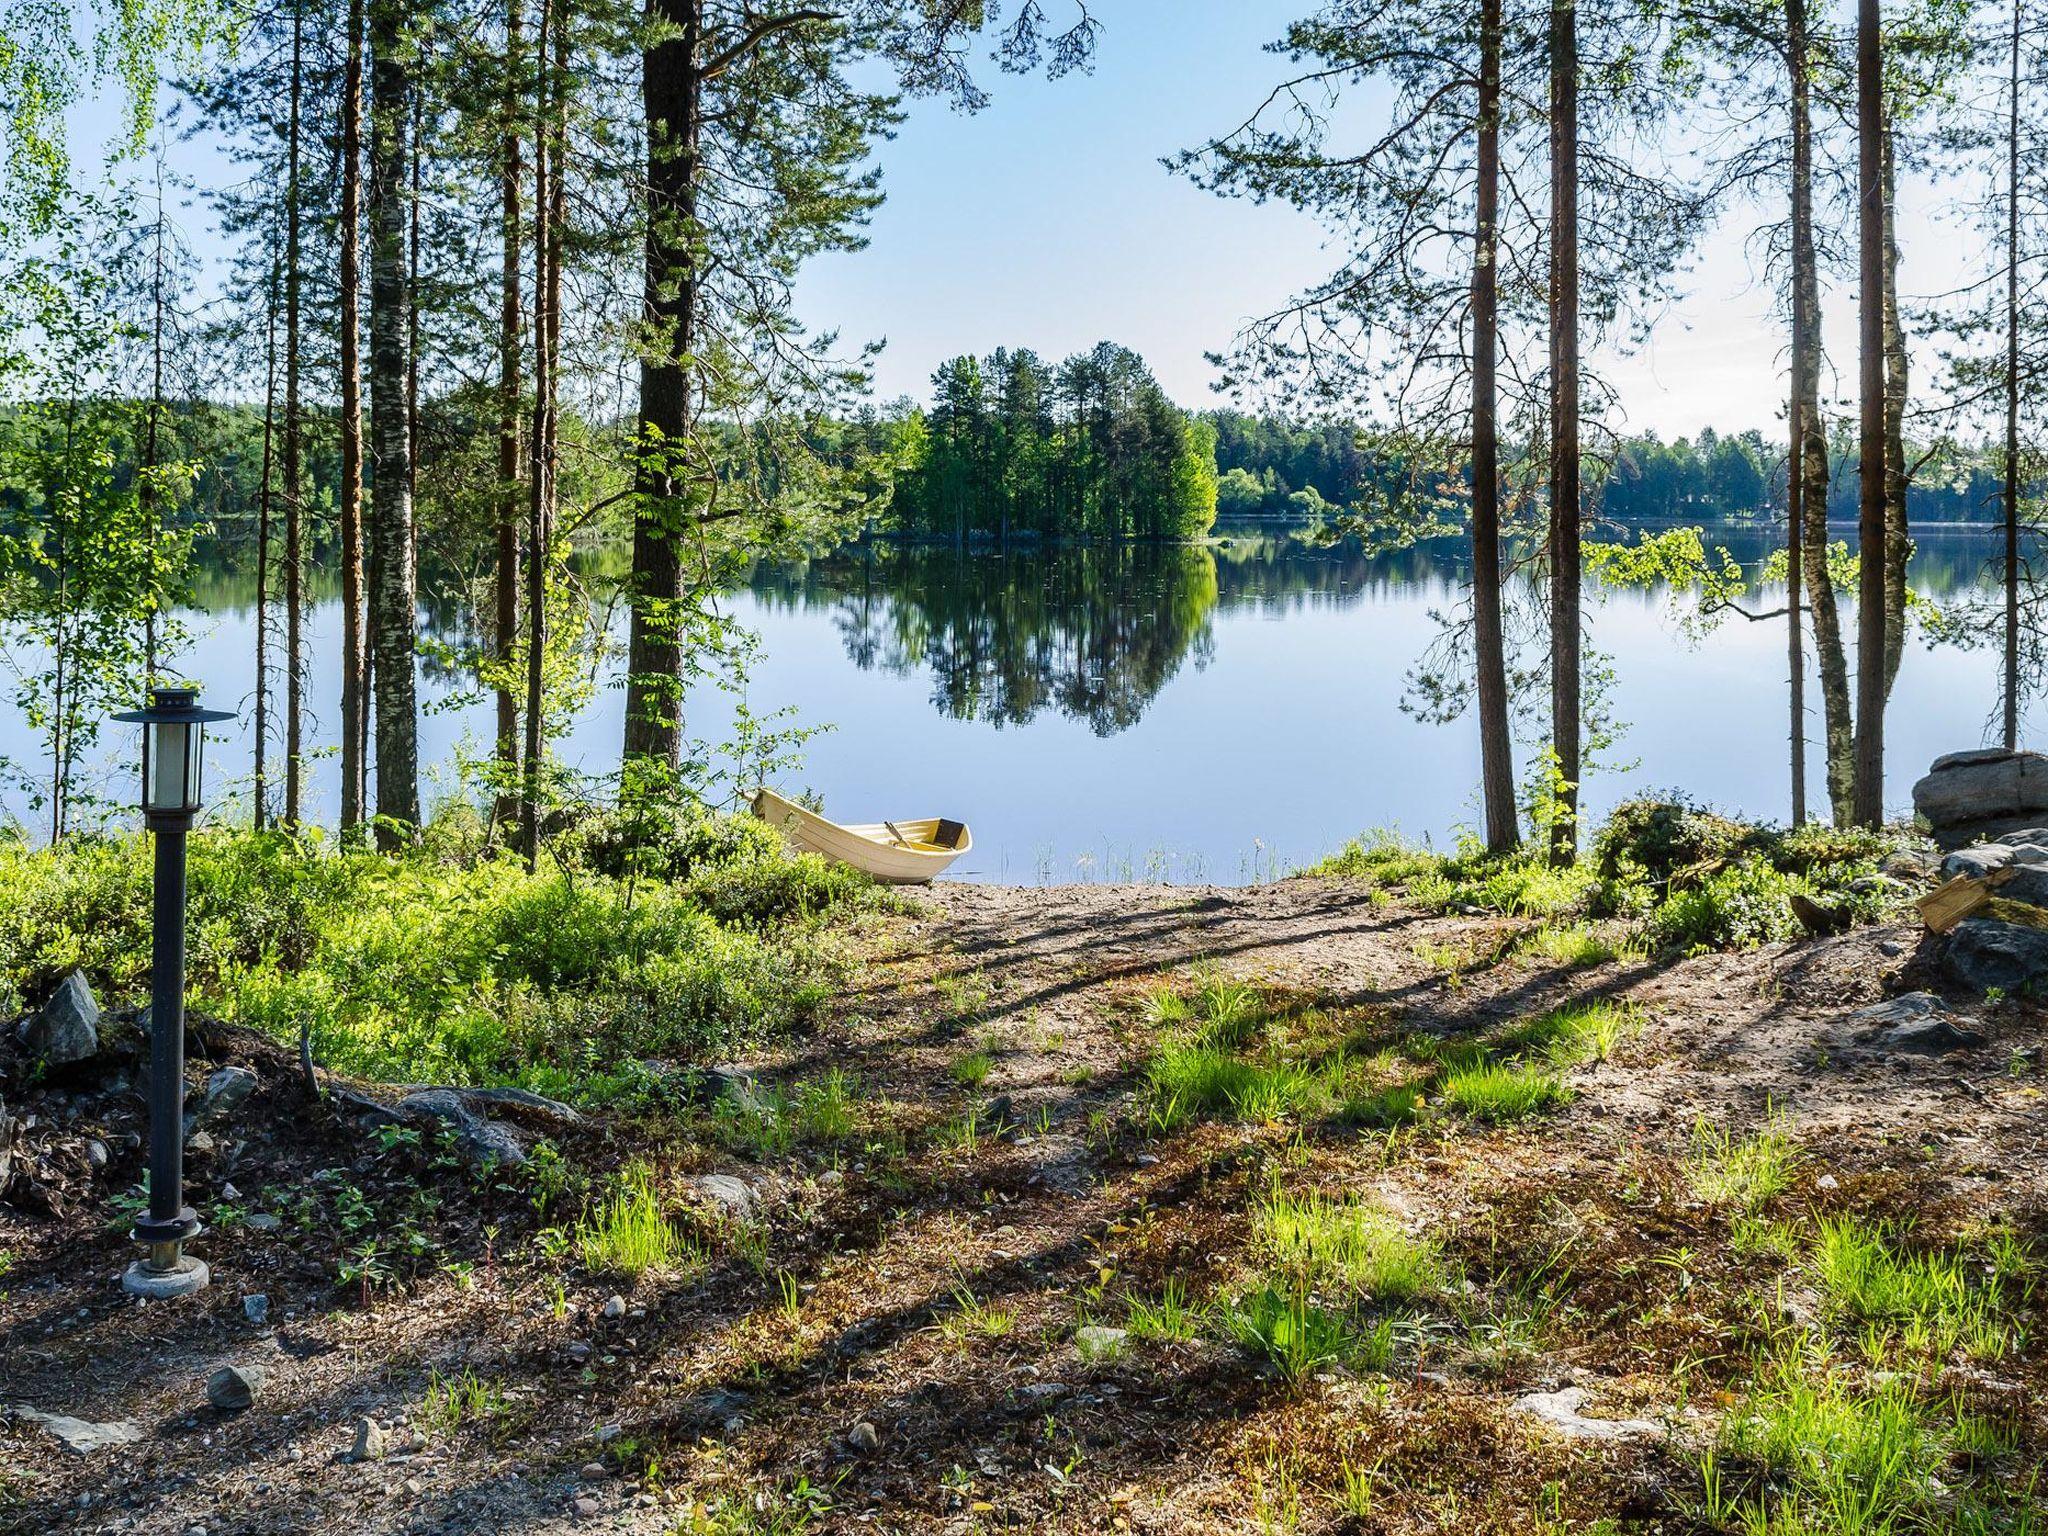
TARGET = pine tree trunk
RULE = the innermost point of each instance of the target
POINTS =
(550, 209)
(1868, 806)
(1496, 755)
(1565, 704)
(289, 467)
(393, 610)
(510, 321)
(672, 98)
(354, 691)
(1898, 539)
(152, 453)
(1795, 645)
(260, 785)
(2011, 476)
(1833, 663)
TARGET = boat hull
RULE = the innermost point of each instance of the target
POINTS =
(911, 852)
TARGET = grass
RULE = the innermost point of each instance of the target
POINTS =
(974, 1318)
(453, 1401)
(1344, 1248)
(1189, 1082)
(1932, 1301)
(1575, 945)
(1169, 1320)
(1577, 1033)
(769, 1121)
(1296, 1334)
(628, 1234)
(972, 1069)
(1740, 1171)
(450, 963)
(1496, 1092)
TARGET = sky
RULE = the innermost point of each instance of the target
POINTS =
(1047, 221)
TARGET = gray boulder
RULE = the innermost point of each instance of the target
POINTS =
(478, 1141)
(233, 1388)
(1983, 953)
(1917, 1024)
(223, 1093)
(67, 1027)
(1976, 861)
(1968, 791)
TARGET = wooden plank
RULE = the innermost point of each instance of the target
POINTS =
(1965, 896)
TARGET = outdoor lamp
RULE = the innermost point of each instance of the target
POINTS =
(173, 730)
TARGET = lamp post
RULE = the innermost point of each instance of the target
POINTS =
(173, 727)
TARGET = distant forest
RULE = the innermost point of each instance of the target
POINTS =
(1013, 448)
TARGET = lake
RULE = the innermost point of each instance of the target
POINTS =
(1214, 714)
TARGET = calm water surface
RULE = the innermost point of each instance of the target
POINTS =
(1190, 714)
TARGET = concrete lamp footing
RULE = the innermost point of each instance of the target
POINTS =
(184, 1278)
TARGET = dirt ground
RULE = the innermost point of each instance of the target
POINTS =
(886, 1342)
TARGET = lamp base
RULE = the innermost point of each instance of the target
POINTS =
(187, 1276)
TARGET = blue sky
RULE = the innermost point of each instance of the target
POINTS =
(1048, 221)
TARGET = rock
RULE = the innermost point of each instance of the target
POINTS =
(98, 1154)
(1978, 792)
(1983, 953)
(1096, 1342)
(1560, 1411)
(256, 1309)
(593, 1471)
(479, 1142)
(2027, 883)
(732, 1195)
(1911, 1008)
(262, 1221)
(1917, 1023)
(2026, 837)
(585, 1508)
(80, 1436)
(864, 1438)
(224, 1091)
(1976, 861)
(233, 1388)
(614, 1308)
(370, 1442)
(66, 1028)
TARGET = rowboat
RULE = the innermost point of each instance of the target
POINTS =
(894, 852)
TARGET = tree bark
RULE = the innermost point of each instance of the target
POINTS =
(1868, 802)
(289, 466)
(354, 693)
(672, 91)
(1565, 701)
(2011, 475)
(260, 786)
(1496, 756)
(1898, 539)
(1795, 645)
(550, 212)
(393, 607)
(510, 322)
(1833, 663)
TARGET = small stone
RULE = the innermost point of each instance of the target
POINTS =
(615, 1308)
(607, 1433)
(1827, 1181)
(256, 1309)
(578, 1351)
(864, 1438)
(593, 1471)
(1096, 1342)
(199, 1142)
(585, 1508)
(233, 1388)
(370, 1443)
(262, 1221)
(1560, 1411)
(97, 1155)
(224, 1092)
(66, 1028)
(731, 1195)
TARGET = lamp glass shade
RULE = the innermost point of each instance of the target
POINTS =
(171, 766)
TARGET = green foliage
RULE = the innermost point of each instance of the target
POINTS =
(1013, 447)
(1497, 1092)
(629, 1234)
(1936, 1300)
(1344, 1249)
(1740, 1171)
(464, 969)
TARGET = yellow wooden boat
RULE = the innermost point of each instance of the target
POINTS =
(894, 852)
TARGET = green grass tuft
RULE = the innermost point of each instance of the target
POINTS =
(1497, 1092)
(1345, 1249)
